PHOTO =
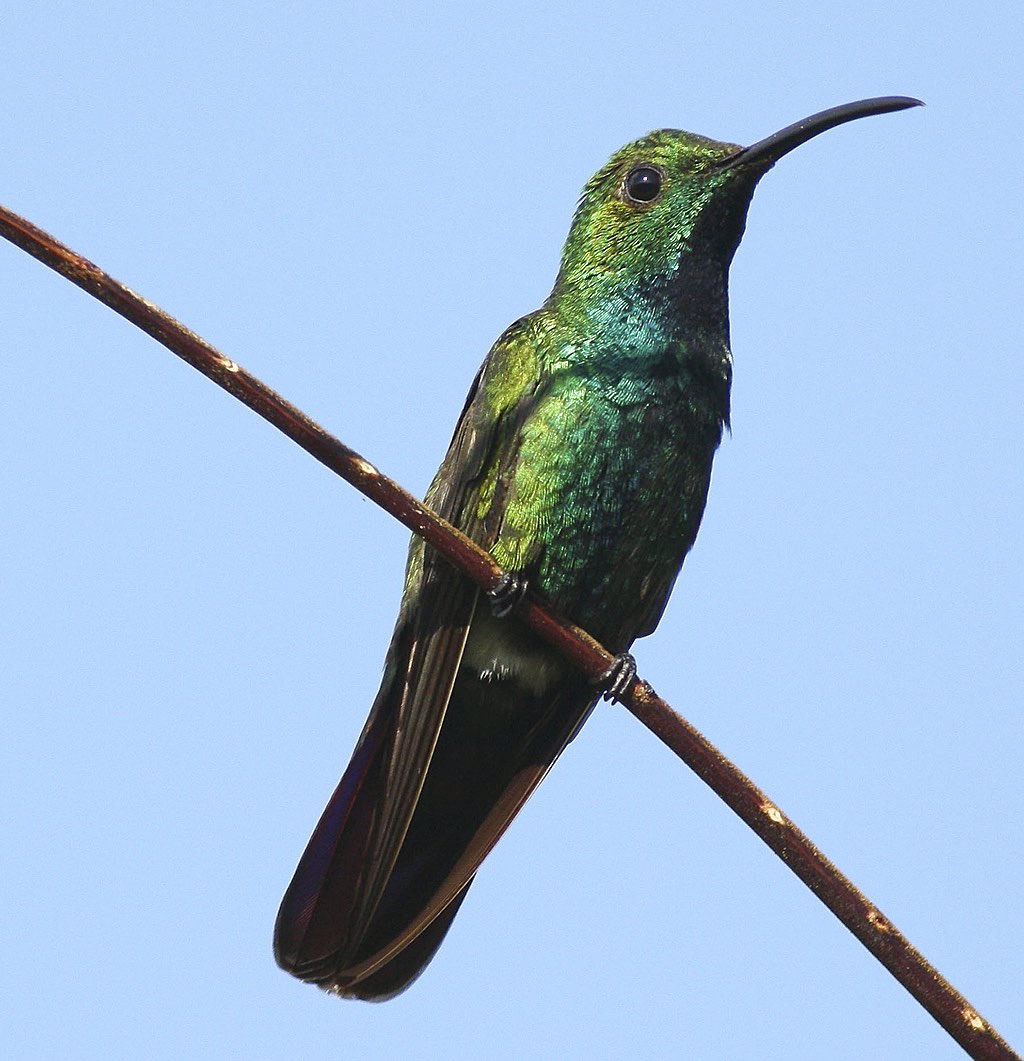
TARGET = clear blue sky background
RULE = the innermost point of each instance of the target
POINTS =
(353, 201)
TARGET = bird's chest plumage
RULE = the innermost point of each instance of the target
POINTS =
(608, 490)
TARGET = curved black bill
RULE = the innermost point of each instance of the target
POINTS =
(778, 144)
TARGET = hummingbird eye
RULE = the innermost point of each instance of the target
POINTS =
(642, 184)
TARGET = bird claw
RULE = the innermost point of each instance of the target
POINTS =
(619, 677)
(509, 591)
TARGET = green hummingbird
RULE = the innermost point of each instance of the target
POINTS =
(581, 461)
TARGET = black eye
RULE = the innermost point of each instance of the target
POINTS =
(643, 184)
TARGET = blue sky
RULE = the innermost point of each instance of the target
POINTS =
(354, 204)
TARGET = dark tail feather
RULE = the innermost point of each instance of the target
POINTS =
(394, 977)
(315, 922)
(318, 929)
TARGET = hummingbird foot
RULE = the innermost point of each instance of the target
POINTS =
(509, 591)
(619, 677)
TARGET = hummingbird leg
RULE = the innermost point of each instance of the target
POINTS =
(507, 593)
(619, 677)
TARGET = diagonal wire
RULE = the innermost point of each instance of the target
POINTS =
(881, 937)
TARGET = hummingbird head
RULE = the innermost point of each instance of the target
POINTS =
(659, 224)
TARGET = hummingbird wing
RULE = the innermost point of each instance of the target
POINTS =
(370, 901)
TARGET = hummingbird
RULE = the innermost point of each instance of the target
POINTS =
(581, 462)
